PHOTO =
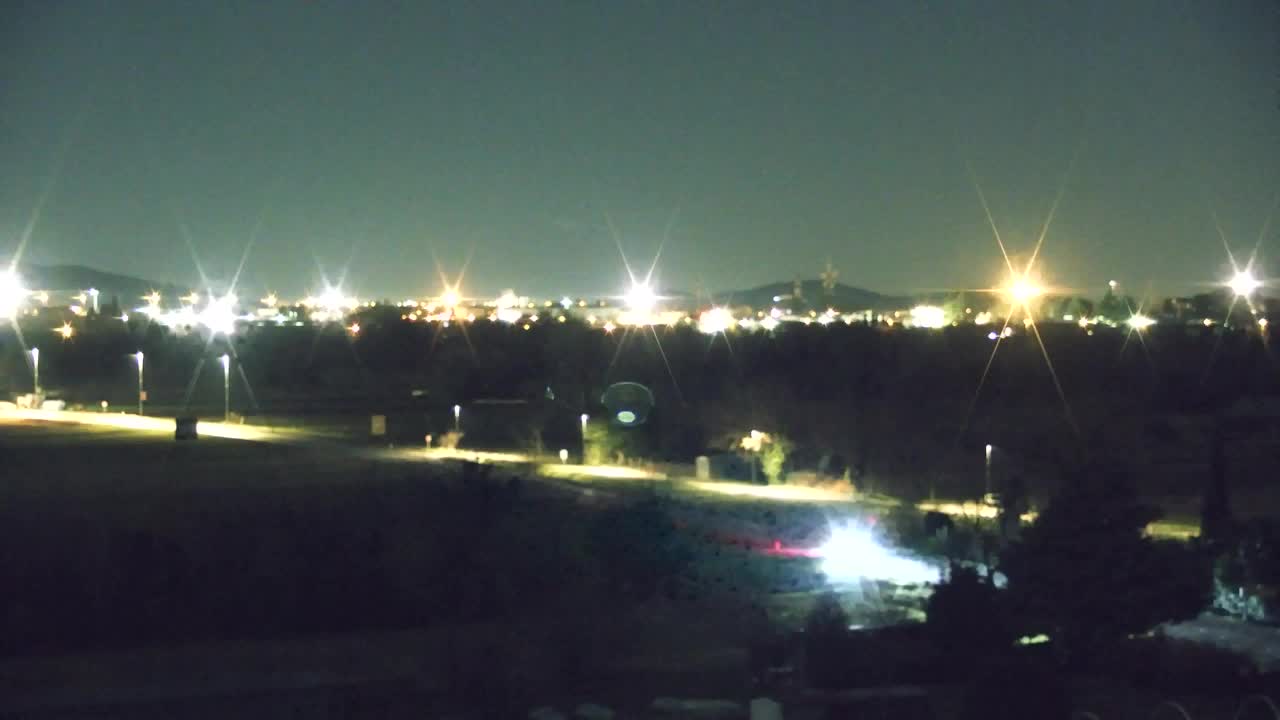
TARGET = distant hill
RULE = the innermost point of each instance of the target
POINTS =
(62, 278)
(815, 297)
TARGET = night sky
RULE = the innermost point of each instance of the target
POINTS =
(759, 138)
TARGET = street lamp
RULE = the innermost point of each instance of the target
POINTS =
(583, 421)
(1243, 283)
(987, 474)
(35, 370)
(141, 393)
(93, 295)
(226, 387)
(457, 418)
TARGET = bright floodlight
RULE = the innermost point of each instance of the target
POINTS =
(1140, 322)
(1243, 283)
(640, 298)
(852, 554)
(715, 320)
(1024, 291)
(12, 293)
(219, 315)
(450, 298)
(928, 316)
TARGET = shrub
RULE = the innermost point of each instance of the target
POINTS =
(964, 617)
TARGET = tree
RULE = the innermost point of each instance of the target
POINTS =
(1086, 574)
(773, 458)
(964, 618)
(1116, 308)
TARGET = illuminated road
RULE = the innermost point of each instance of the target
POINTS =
(143, 423)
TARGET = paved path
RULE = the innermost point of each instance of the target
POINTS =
(1261, 643)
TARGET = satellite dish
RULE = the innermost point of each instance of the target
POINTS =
(628, 403)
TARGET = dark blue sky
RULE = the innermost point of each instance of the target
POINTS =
(768, 136)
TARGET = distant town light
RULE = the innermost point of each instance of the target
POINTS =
(714, 321)
(928, 316)
(66, 331)
(1140, 322)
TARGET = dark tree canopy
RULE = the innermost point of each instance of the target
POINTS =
(1086, 574)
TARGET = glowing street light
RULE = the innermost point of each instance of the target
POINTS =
(153, 298)
(640, 298)
(1023, 291)
(65, 330)
(93, 295)
(12, 293)
(35, 369)
(142, 394)
(1243, 283)
(457, 418)
(219, 315)
(450, 298)
(226, 386)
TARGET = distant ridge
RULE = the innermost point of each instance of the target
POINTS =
(814, 296)
(62, 278)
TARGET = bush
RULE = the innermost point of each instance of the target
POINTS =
(964, 617)
(1086, 574)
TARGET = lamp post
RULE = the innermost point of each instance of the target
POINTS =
(141, 393)
(226, 387)
(987, 473)
(457, 418)
(35, 370)
(583, 421)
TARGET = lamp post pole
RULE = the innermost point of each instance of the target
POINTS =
(987, 473)
(141, 393)
(226, 387)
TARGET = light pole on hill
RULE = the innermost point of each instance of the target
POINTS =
(226, 387)
(457, 418)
